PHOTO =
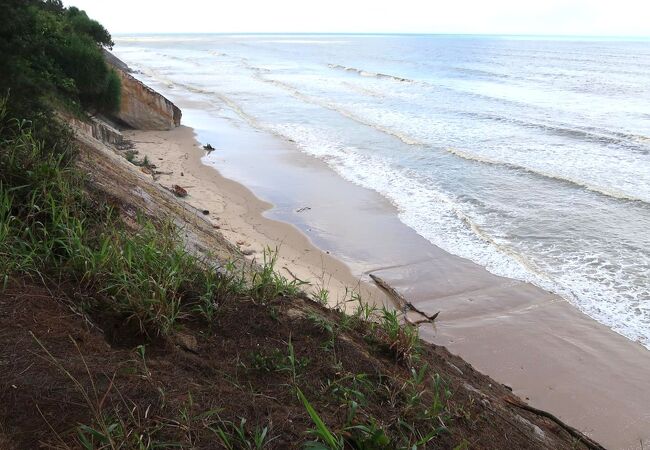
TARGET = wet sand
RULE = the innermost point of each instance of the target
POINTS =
(537, 343)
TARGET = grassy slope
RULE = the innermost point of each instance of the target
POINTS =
(113, 335)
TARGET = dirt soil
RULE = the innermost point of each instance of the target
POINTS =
(202, 370)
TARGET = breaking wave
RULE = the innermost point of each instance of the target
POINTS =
(365, 73)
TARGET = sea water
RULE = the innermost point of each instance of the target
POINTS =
(527, 155)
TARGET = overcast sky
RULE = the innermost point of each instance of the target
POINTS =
(559, 17)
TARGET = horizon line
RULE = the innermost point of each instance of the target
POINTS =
(381, 33)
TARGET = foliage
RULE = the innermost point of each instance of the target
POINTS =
(82, 24)
(267, 283)
(50, 228)
(109, 99)
(321, 431)
(52, 57)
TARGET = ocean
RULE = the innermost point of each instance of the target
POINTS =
(527, 155)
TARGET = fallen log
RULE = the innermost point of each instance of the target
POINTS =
(403, 304)
(589, 443)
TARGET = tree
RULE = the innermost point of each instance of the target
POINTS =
(52, 57)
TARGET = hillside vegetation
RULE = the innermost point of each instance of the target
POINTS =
(52, 60)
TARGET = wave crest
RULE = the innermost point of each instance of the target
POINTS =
(609, 192)
(365, 73)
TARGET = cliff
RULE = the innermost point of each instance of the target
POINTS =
(141, 107)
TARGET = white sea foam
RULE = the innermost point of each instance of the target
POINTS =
(366, 73)
(607, 191)
(608, 171)
(431, 212)
(337, 108)
(444, 222)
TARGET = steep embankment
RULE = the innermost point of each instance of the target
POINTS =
(240, 359)
(141, 107)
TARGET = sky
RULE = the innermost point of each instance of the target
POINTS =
(545, 17)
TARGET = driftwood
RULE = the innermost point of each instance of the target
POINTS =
(402, 303)
(593, 445)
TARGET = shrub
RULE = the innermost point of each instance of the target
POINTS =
(52, 58)
(111, 96)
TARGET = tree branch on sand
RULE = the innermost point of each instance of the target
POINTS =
(404, 305)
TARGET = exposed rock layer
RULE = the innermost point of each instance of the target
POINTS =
(141, 107)
(98, 129)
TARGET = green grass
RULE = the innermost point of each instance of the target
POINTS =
(50, 229)
(40, 202)
(321, 432)
(279, 361)
(131, 156)
(237, 436)
(328, 327)
(363, 436)
(146, 275)
(351, 388)
(267, 283)
(403, 339)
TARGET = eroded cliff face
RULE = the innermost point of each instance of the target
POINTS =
(143, 108)
(97, 128)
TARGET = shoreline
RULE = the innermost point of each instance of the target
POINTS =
(559, 359)
(237, 214)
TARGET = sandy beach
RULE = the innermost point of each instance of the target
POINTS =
(333, 234)
(238, 215)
